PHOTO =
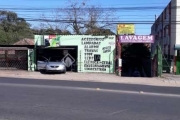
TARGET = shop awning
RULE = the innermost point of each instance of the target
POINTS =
(177, 47)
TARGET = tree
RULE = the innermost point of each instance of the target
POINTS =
(50, 31)
(13, 28)
(81, 18)
(99, 31)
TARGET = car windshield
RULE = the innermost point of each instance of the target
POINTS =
(55, 59)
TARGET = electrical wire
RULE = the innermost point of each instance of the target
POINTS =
(101, 21)
(42, 10)
(65, 20)
(35, 9)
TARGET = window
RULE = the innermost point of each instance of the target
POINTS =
(160, 18)
(165, 13)
(156, 26)
(157, 21)
(169, 8)
(55, 59)
(165, 32)
(42, 58)
(161, 33)
(164, 49)
(156, 37)
(168, 50)
(169, 29)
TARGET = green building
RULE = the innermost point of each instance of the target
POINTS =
(88, 53)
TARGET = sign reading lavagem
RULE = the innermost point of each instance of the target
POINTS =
(136, 39)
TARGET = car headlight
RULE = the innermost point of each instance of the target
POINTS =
(61, 66)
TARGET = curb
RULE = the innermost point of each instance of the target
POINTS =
(154, 83)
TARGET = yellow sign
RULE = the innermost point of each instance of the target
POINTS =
(125, 29)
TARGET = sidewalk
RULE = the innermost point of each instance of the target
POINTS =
(94, 77)
(171, 76)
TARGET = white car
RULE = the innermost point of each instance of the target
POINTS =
(53, 64)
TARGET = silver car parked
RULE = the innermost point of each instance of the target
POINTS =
(53, 64)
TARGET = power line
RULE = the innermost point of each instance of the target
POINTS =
(130, 16)
(147, 15)
(87, 8)
(64, 20)
(102, 21)
(150, 3)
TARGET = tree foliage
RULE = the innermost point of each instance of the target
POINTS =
(81, 18)
(50, 31)
(13, 28)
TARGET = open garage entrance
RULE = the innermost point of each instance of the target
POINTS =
(62, 52)
(135, 57)
(136, 60)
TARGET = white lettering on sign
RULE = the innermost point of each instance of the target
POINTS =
(136, 39)
(95, 52)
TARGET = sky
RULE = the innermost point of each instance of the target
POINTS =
(123, 15)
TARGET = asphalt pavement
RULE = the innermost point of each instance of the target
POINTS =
(95, 85)
(93, 77)
(27, 99)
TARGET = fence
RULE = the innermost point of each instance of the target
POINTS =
(12, 59)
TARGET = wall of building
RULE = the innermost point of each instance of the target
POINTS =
(173, 26)
(162, 31)
(166, 31)
(176, 14)
(95, 53)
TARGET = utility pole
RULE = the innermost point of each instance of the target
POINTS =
(118, 55)
(119, 58)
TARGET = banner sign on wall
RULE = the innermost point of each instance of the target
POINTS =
(52, 40)
(125, 29)
(136, 38)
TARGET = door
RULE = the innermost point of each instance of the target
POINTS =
(41, 63)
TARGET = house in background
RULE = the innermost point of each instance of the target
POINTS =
(16, 56)
(25, 41)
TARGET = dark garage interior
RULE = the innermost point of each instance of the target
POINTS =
(136, 60)
(60, 52)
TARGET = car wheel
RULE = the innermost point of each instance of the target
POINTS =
(64, 72)
(42, 71)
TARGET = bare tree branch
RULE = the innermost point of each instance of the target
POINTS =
(81, 18)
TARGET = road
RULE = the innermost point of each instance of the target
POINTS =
(26, 99)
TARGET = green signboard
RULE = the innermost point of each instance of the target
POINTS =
(95, 53)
